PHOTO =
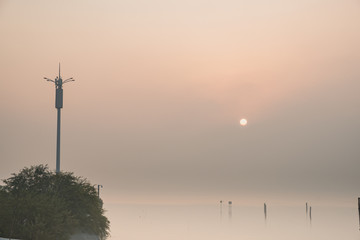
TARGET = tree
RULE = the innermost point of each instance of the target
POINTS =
(39, 204)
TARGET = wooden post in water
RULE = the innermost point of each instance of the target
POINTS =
(310, 213)
(359, 210)
(265, 212)
(220, 208)
(306, 209)
(230, 209)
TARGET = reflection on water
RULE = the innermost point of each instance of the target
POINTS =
(208, 222)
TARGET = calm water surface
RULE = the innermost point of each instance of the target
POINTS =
(169, 222)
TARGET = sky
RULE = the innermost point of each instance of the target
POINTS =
(160, 87)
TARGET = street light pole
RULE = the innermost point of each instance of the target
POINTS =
(58, 105)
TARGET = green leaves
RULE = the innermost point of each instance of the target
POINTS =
(41, 204)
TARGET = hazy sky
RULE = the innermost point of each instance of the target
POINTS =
(161, 86)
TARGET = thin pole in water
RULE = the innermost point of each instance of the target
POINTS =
(265, 211)
(221, 208)
(359, 211)
(230, 209)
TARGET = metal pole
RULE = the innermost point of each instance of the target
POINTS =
(58, 105)
(58, 141)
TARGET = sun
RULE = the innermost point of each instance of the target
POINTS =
(243, 122)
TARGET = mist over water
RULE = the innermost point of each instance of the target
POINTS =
(177, 222)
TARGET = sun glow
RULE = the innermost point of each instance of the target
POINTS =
(243, 122)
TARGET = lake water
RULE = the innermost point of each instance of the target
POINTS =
(190, 222)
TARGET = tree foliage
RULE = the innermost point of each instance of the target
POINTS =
(39, 204)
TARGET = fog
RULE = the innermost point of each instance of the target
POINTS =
(160, 88)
